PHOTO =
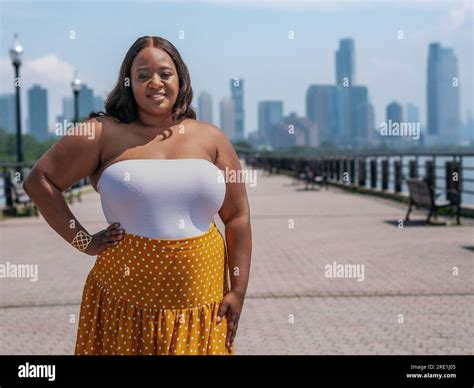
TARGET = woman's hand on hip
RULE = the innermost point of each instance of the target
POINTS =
(106, 238)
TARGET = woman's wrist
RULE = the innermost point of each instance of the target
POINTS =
(239, 291)
(81, 240)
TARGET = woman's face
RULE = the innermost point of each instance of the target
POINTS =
(155, 81)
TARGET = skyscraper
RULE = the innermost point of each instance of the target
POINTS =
(227, 110)
(269, 113)
(413, 113)
(99, 103)
(86, 101)
(237, 93)
(443, 94)
(38, 112)
(468, 135)
(345, 63)
(294, 131)
(324, 107)
(68, 108)
(357, 113)
(356, 119)
(394, 112)
(371, 120)
(205, 107)
(8, 113)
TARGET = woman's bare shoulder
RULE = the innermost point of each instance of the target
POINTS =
(107, 123)
(110, 128)
(204, 127)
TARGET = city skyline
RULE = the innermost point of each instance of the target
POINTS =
(292, 94)
(340, 114)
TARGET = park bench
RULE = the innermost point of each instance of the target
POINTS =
(422, 195)
(19, 198)
(298, 172)
(73, 192)
(21, 201)
(311, 178)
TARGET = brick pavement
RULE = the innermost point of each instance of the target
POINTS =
(291, 306)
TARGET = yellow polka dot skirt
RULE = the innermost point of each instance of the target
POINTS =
(150, 296)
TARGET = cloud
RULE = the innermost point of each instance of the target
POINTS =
(460, 16)
(49, 71)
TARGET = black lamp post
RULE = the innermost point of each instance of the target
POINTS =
(16, 52)
(76, 88)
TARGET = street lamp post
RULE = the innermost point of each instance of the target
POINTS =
(16, 52)
(76, 88)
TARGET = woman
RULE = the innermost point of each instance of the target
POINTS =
(159, 283)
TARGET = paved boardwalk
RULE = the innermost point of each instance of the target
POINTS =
(416, 297)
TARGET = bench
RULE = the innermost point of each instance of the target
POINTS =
(268, 167)
(17, 199)
(422, 196)
(311, 178)
(17, 196)
(73, 192)
(298, 172)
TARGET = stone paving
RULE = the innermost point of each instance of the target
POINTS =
(416, 295)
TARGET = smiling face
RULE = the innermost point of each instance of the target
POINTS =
(155, 81)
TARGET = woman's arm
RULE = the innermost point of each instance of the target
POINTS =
(235, 214)
(73, 157)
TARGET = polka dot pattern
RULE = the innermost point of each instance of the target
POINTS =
(156, 296)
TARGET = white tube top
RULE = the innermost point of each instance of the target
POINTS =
(162, 198)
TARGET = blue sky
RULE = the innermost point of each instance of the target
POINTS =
(248, 39)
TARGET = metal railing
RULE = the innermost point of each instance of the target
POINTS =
(445, 172)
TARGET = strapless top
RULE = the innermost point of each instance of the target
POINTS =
(162, 198)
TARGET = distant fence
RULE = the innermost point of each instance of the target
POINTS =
(379, 172)
(372, 172)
